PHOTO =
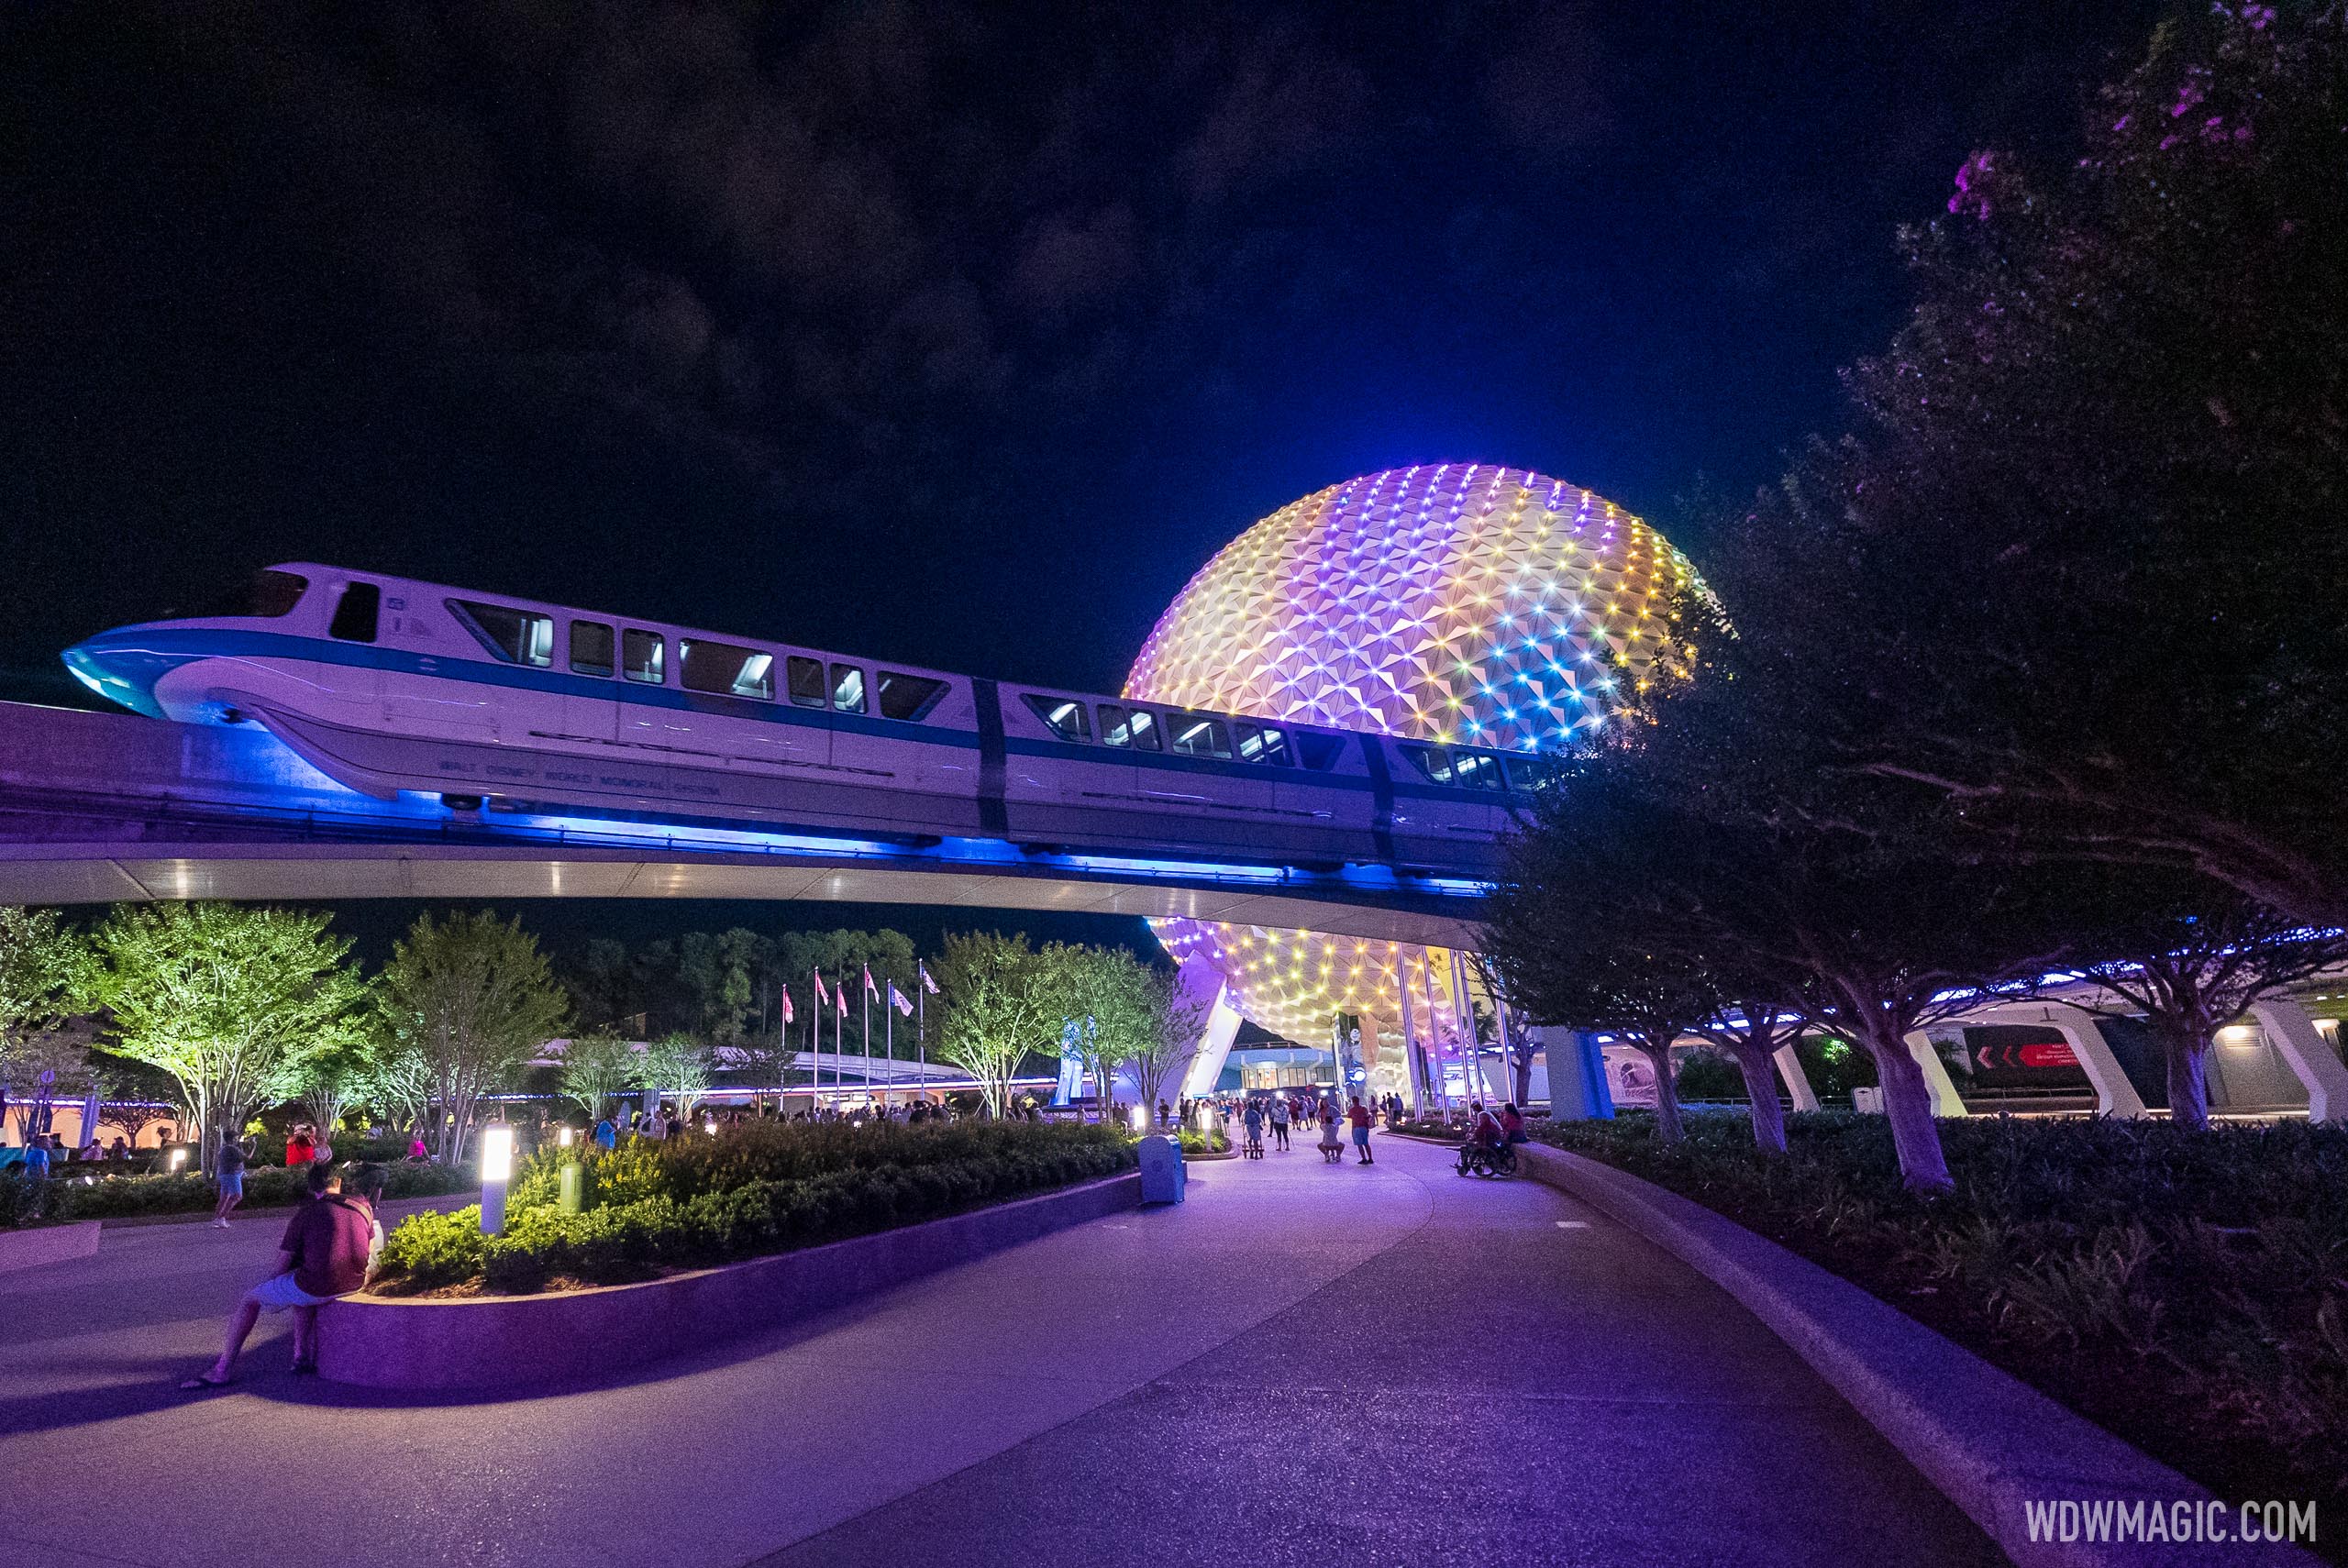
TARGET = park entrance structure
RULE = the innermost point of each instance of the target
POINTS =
(1448, 604)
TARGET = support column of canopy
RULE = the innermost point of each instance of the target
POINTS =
(1796, 1081)
(1206, 1064)
(1946, 1101)
(1412, 1060)
(2305, 1051)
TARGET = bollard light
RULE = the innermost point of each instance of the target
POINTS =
(565, 1138)
(178, 1160)
(709, 1125)
(496, 1170)
(1140, 1120)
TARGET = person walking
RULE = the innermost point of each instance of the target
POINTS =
(1332, 1150)
(1254, 1122)
(1279, 1122)
(606, 1134)
(1359, 1114)
(323, 1254)
(228, 1177)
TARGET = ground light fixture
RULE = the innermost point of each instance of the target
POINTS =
(178, 1160)
(1140, 1120)
(563, 1138)
(496, 1170)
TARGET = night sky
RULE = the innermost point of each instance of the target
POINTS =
(911, 331)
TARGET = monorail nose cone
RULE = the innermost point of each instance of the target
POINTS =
(116, 673)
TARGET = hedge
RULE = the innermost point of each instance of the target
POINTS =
(750, 1190)
(2187, 1290)
(66, 1197)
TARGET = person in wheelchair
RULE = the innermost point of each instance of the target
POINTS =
(1486, 1150)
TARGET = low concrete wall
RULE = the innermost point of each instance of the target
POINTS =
(511, 1342)
(46, 1244)
(1989, 1440)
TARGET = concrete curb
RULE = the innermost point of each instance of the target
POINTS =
(1987, 1439)
(493, 1343)
(40, 1244)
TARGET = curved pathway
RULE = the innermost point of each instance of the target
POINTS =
(1304, 1362)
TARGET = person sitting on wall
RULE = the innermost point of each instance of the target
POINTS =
(1511, 1123)
(325, 1253)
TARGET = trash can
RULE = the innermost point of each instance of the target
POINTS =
(1162, 1176)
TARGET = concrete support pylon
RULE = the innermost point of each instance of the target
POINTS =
(1946, 1101)
(1214, 1043)
(1796, 1082)
(2114, 1095)
(2305, 1051)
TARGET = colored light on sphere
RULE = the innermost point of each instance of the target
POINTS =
(1460, 603)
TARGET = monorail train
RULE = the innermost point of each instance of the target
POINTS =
(389, 685)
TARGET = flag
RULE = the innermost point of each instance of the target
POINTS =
(869, 988)
(926, 983)
(839, 995)
(897, 999)
(820, 997)
(786, 1006)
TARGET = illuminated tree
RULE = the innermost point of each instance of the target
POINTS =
(234, 1002)
(996, 1007)
(44, 967)
(472, 998)
(675, 1066)
(597, 1068)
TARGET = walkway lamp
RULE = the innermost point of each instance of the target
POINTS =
(496, 1170)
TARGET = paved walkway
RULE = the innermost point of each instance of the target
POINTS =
(1305, 1364)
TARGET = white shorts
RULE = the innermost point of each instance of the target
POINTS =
(278, 1293)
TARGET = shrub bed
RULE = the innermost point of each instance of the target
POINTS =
(2187, 1290)
(750, 1190)
(65, 1198)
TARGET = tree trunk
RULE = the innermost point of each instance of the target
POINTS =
(1908, 1102)
(2184, 1052)
(1523, 1076)
(1667, 1094)
(1761, 1087)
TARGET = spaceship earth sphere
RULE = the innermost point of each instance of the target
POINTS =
(1458, 601)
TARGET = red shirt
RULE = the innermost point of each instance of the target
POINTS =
(329, 1238)
(1358, 1115)
(300, 1151)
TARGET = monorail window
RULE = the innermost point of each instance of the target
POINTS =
(847, 688)
(1258, 743)
(1067, 720)
(1531, 774)
(354, 618)
(643, 656)
(1435, 765)
(908, 697)
(517, 637)
(590, 647)
(1135, 728)
(1195, 736)
(1319, 753)
(705, 666)
(1476, 769)
(806, 679)
(265, 596)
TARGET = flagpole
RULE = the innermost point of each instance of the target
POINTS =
(866, 1004)
(889, 1044)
